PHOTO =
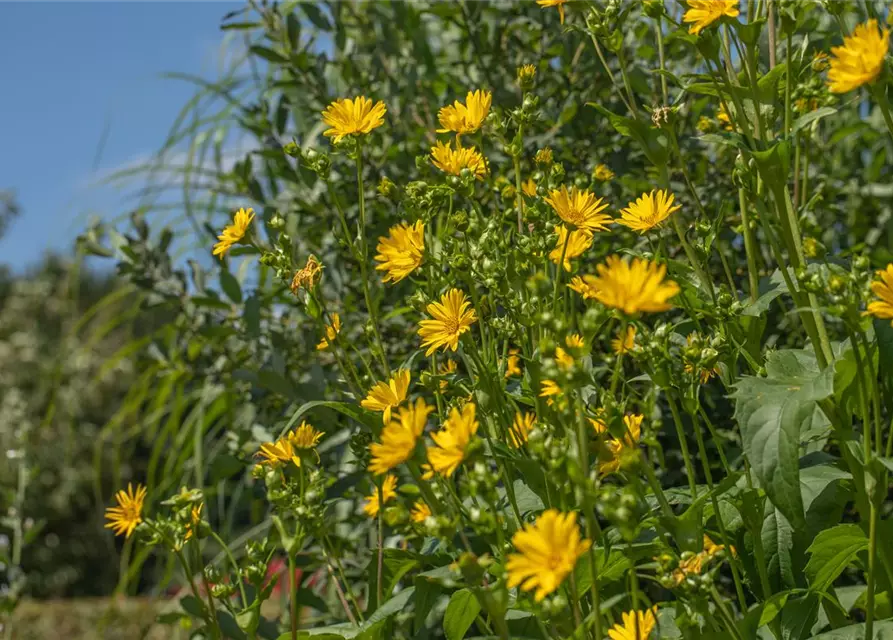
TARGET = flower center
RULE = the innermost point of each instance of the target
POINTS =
(451, 325)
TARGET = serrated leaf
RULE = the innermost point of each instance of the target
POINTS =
(460, 613)
(771, 412)
(831, 552)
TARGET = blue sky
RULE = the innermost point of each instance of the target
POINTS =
(73, 74)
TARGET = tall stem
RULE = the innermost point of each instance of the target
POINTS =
(683, 445)
(364, 256)
(293, 596)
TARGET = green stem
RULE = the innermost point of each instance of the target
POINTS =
(683, 445)
(659, 28)
(601, 57)
(878, 90)
(293, 596)
(872, 556)
(235, 565)
(364, 251)
(750, 249)
(559, 271)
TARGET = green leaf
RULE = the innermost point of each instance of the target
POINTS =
(460, 614)
(882, 631)
(808, 118)
(831, 552)
(316, 16)
(268, 54)
(763, 614)
(778, 542)
(652, 141)
(799, 615)
(427, 593)
(231, 287)
(225, 466)
(771, 412)
(192, 606)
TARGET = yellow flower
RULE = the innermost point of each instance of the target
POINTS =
(549, 388)
(452, 440)
(427, 471)
(401, 252)
(820, 62)
(619, 448)
(526, 74)
(585, 286)
(398, 439)
(280, 452)
(861, 58)
(574, 341)
(453, 161)
(703, 13)
(124, 518)
(579, 209)
(598, 423)
(704, 124)
(543, 156)
(549, 549)
(883, 289)
(529, 188)
(724, 120)
(420, 512)
(468, 117)
(353, 116)
(388, 492)
(385, 396)
(579, 242)
(711, 548)
(688, 567)
(511, 365)
(522, 425)
(452, 317)
(602, 173)
(554, 3)
(803, 105)
(563, 359)
(634, 287)
(446, 369)
(307, 276)
(195, 518)
(305, 436)
(626, 630)
(648, 211)
(624, 345)
(332, 330)
(233, 233)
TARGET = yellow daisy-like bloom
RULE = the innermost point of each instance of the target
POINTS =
(574, 341)
(452, 161)
(512, 368)
(703, 13)
(452, 317)
(452, 440)
(724, 120)
(550, 390)
(554, 3)
(398, 439)
(585, 286)
(618, 448)
(427, 471)
(634, 287)
(388, 492)
(883, 289)
(580, 209)
(522, 425)
(529, 188)
(233, 233)
(124, 518)
(548, 551)
(648, 211)
(332, 330)
(305, 436)
(446, 369)
(307, 276)
(861, 58)
(420, 512)
(349, 116)
(563, 359)
(690, 566)
(579, 242)
(624, 345)
(195, 518)
(465, 118)
(277, 453)
(602, 173)
(401, 252)
(626, 629)
(385, 396)
(543, 156)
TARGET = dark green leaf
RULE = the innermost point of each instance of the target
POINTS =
(460, 613)
(831, 552)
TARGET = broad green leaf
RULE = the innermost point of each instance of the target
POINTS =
(799, 615)
(813, 116)
(831, 552)
(882, 631)
(427, 593)
(230, 286)
(778, 541)
(772, 411)
(762, 614)
(460, 614)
